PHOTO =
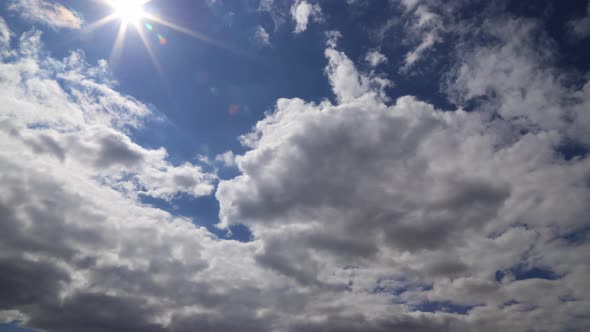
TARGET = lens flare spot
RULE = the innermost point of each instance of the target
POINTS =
(234, 109)
(162, 39)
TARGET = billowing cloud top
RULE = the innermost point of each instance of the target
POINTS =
(368, 213)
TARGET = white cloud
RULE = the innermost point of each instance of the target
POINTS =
(424, 28)
(261, 36)
(5, 34)
(227, 159)
(519, 88)
(347, 83)
(375, 58)
(47, 12)
(302, 12)
(84, 124)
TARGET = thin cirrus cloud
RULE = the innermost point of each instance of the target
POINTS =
(48, 13)
(368, 213)
(425, 29)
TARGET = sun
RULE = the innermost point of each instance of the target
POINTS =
(136, 15)
(129, 11)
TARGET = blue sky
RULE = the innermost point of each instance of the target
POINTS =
(267, 165)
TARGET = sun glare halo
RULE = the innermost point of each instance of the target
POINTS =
(129, 11)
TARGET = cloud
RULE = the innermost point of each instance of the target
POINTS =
(347, 83)
(580, 28)
(375, 58)
(302, 12)
(84, 126)
(5, 34)
(277, 10)
(368, 214)
(227, 159)
(79, 251)
(424, 29)
(437, 203)
(261, 36)
(47, 12)
(520, 87)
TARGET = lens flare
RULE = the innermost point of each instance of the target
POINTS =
(135, 13)
(162, 39)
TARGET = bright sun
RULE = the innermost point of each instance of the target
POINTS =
(129, 11)
(135, 14)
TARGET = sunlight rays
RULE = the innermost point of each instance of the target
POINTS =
(191, 33)
(118, 45)
(133, 12)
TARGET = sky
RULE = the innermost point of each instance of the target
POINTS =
(294, 165)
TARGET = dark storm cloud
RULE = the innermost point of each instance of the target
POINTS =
(27, 283)
(97, 313)
(360, 323)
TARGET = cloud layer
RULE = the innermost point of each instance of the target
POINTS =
(368, 214)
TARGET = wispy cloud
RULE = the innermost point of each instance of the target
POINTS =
(424, 28)
(261, 36)
(375, 58)
(47, 12)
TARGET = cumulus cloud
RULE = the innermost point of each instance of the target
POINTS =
(450, 211)
(303, 12)
(47, 12)
(368, 214)
(84, 127)
(79, 251)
